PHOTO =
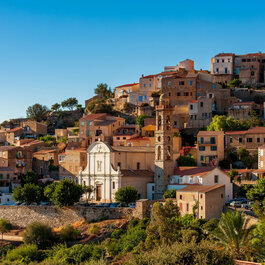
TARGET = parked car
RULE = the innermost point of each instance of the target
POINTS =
(115, 205)
(227, 203)
(236, 204)
(249, 206)
(132, 205)
(106, 205)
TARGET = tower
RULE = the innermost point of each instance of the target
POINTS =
(164, 163)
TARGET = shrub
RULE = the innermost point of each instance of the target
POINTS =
(24, 253)
(39, 234)
(95, 229)
(186, 161)
(69, 233)
(126, 194)
(211, 225)
(77, 253)
(170, 194)
(117, 233)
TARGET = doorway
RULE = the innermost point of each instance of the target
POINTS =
(98, 192)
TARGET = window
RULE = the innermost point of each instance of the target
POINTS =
(258, 140)
(217, 60)
(202, 140)
(240, 140)
(201, 104)
(7, 176)
(199, 86)
(178, 94)
(225, 70)
(201, 207)
(261, 152)
(214, 86)
(89, 123)
(202, 158)
(217, 70)
(231, 140)
(138, 165)
(150, 85)
(88, 133)
(82, 123)
(252, 73)
(169, 83)
(1, 176)
(210, 95)
(181, 83)
(222, 195)
(216, 179)
(201, 196)
(113, 185)
(249, 140)
(199, 94)
(187, 207)
(212, 139)
(119, 164)
(82, 132)
(144, 85)
(191, 83)
(214, 148)
(223, 60)
(201, 148)
(261, 163)
(140, 98)
(191, 106)
(180, 196)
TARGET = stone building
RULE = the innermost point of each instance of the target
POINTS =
(164, 163)
(125, 89)
(210, 199)
(241, 110)
(200, 112)
(95, 127)
(6, 178)
(186, 176)
(210, 149)
(249, 139)
(109, 169)
(34, 129)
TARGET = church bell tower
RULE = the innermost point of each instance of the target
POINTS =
(164, 163)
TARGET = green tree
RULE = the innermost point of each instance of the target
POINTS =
(69, 233)
(39, 234)
(235, 83)
(218, 123)
(170, 194)
(243, 190)
(233, 173)
(140, 120)
(126, 194)
(5, 227)
(29, 177)
(258, 240)
(254, 119)
(29, 193)
(49, 140)
(186, 161)
(37, 112)
(69, 103)
(163, 228)
(103, 91)
(55, 107)
(87, 190)
(234, 234)
(64, 192)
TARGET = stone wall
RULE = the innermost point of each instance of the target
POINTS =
(242, 262)
(56, 217)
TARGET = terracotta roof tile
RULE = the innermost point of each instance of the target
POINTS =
(209, 133)
(91, 117)
(133, 84)
(224, 54)
(137, 173)
(200, 188)
(188, 171)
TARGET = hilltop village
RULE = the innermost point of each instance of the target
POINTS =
(194, 136)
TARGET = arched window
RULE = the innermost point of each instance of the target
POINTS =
(252, 73)
(159, 138)
(168, 139)
(168, 122)
(168, 153)
(159, 153)
(159, 122)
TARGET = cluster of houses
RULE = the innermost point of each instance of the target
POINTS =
(107, 153)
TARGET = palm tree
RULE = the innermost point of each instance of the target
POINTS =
(234, 234)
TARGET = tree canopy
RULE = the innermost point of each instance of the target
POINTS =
(64, 192)
(69, 103)
(37, 112)
(140, 120)
(103, 91)
(55, 107)
(126, 194)
(5, 226)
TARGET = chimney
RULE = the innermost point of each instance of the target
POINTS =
(142, 75)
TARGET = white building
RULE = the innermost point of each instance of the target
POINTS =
(223, 64)
(106, 179)
(184, 176)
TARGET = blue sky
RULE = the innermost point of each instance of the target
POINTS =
(54, 49)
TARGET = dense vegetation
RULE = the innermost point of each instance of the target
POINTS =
(166, 238)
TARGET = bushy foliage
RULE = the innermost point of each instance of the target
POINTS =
(126, 194)
(211, 225)
(95, 229)
(185, 161)
(170, 194)
(24, 253)
(64, 192)
(179, 254)
(40, 235)
(29, 193)
(77, 253)
(49, 140)
(140, 120)
(5, 226)
(69, 233)
(69, 103)
(122, 242)
(37, 112)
